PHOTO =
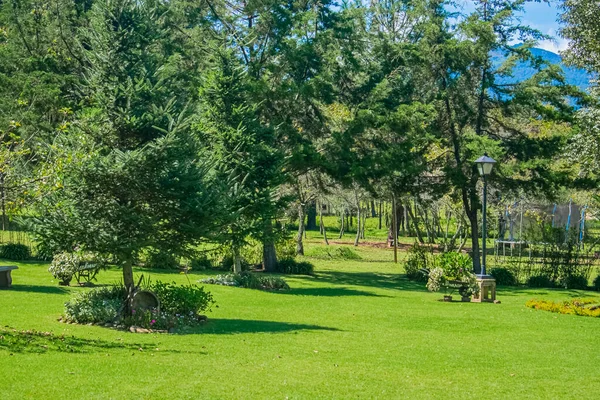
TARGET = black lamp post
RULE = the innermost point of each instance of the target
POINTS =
(484, 165)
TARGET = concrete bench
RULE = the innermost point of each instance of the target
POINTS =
(5, 278)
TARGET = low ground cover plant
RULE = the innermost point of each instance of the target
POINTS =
(584, 307)
(180, 306)
(249, 280)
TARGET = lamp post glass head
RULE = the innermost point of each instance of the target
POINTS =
(485, 165)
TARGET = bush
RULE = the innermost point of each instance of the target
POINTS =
(180, 306)
(15, 251)
(200, 263)
(161, 260)
(334, 253)
(504, 277)
(182, 300)
(597, 283)
(63, 267)
(248, 280)
(540, 281)
(584, 307)
(291, 266)
(101, 305)
(576, 282)
(416, 264)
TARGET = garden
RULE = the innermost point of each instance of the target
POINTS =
(356, 327)
(301, 199)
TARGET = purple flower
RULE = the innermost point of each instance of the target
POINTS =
(152, 322)
(133, 311)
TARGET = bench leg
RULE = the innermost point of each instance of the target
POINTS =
(5, 279)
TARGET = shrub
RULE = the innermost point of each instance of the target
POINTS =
(416, 264)
(248, 280)
(585, 307)
(540, 281)
(504, 277)
(334, 253)
(291, 266)
(161, 260)
(15, 251)
(64, 266)
(183, 300)
(576, 282)
(101, 305)
(200, 263)
(597, 283)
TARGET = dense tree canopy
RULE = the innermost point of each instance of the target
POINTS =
(129, 125)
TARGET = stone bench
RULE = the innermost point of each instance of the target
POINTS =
(5, 278)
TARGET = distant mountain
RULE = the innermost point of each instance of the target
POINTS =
(574, 76)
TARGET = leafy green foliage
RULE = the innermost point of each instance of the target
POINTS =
(182, 299)
(161, 260)
(249, 280)
(596, 284)
(540, 281)
(15, 251)
(291, 266)
(418, 262)
(99, 305)
(504, 277)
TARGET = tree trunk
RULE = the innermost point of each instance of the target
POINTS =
(269, 253)
(380, 212)
(237, 260)
(395, 227)
(311, 222)
(373, 212)
(322, 225)
(3, 196)
(342, 220)
(357, 226)
(300, 236)
(406, 220)
(415, 225)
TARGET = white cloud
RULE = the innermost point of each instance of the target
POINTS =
(555, 46)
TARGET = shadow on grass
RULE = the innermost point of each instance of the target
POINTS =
(523, 290)
(232, 326)
(371, 279)
(39, 289)
(32, 341)
(329, 292)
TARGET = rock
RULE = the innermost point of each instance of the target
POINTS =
(108, 325)
(132, 329)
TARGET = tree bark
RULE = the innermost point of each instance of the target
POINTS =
(373, 212)
(269, 263)
(357, 226)
(322, 225)
(300, 236)
(342, 220)
(311, 222)
(380, 212)
(415, 225)
(237, 260)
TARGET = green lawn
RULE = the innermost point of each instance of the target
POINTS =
(357, 329)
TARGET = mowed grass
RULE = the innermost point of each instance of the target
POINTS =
(357, 329)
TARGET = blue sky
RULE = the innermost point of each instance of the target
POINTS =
(542, 16)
